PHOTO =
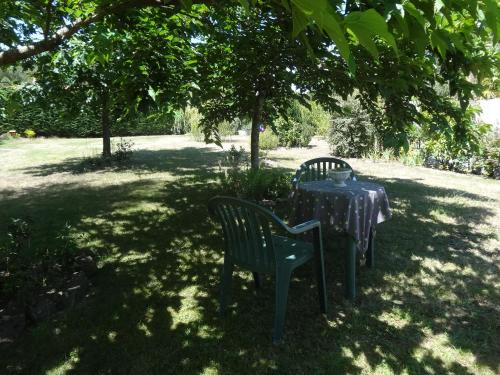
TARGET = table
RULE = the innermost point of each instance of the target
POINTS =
(354, 209)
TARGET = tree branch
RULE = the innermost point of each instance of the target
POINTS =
(16, 54)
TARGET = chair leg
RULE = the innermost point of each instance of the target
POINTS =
(320, 269)
(370, 253)
(282, 286)
(350, 270)
(257, 280)
(227, 278)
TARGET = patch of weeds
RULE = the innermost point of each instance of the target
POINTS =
(124, 150)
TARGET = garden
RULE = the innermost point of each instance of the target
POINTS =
(354, 127)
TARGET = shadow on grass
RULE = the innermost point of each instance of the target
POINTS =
(155, 303)
(181, 161)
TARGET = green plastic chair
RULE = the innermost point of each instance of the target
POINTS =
(251, 242)
(317, 170)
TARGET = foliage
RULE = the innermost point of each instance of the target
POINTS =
(412, 157)
(234, 159)
(298, 125)
(29, 133)
(352, 133)
(320, 118)
(491, 162)
(256, 184)
(226, 129)
(123, 150)
(268, 140)
(27, 268)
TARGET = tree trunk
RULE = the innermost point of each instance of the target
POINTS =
(254, 137)
(105, 122)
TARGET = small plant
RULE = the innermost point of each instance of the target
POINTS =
(234, 159)
(226, 129)
(124, 150)
(268, 140)
(29, 133)
(197, 132)
(257, 185)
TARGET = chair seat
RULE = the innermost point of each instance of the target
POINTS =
(293, 251)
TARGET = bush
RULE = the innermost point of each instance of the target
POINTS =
(352, 133)
(123, 150)
(226, 129)
(29, 133)
(234, 159)
(257, 185)
(297, 128)
(491, 161)
(268, 140)
(412, 157)
(25, 269)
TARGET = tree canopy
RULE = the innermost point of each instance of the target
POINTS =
(251, 57)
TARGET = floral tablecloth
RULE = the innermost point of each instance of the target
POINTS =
(352, 209)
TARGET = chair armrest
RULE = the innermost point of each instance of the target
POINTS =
(304, 227)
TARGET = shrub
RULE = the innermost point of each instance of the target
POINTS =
(352, 133)
(256, 185)
(490, 162)
(29, 133)
(320, 118)
(226, 129)
(412, 157)
(268, 140)
(234, 159)
(297, 128)
(123, 150)
(27, 272)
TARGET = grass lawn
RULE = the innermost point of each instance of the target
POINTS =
(431, 304)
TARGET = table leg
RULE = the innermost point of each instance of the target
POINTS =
(370, 253)
(350, 269)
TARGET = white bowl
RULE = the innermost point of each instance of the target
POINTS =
(339, 176)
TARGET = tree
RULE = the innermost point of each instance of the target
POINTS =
(413, 36)
(117, 71)
(58, 20)
(249, 64)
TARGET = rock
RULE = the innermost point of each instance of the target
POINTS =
(87, 264)
(12, 323)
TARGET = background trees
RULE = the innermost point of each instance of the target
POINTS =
(119, 68)
(253, 58)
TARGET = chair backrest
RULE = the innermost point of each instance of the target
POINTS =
(317, 169)
(247, 231)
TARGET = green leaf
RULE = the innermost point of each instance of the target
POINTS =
(440, 41)
(335, 32)
(417, 14)
(367, 25)
(245, 5)
(152, 93)
(300, 21)
(418, 36)
(438, 5)
(491, 17)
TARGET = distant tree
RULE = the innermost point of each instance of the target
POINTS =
(118, 71)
